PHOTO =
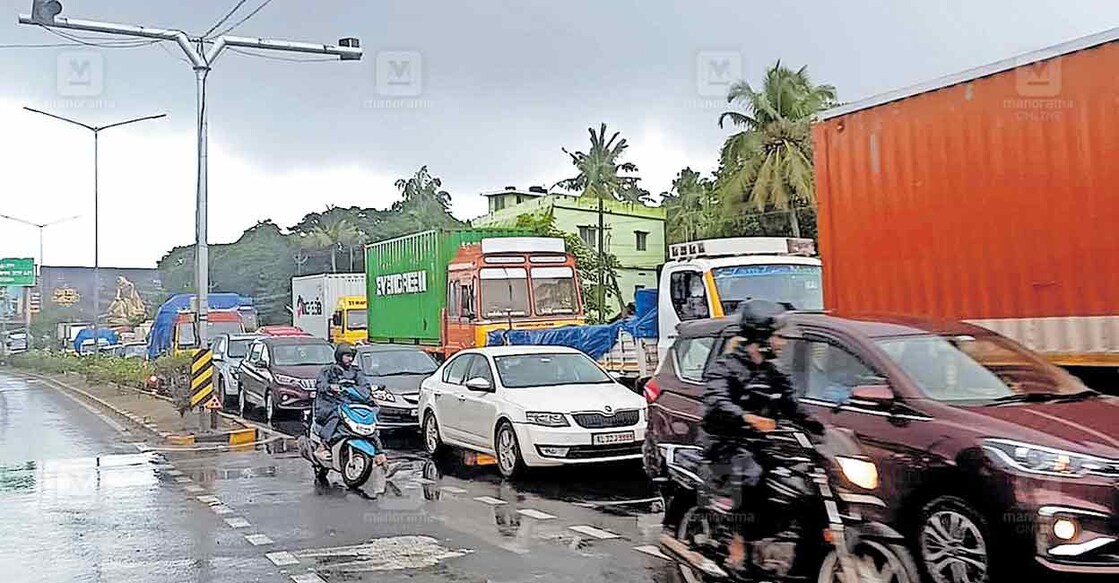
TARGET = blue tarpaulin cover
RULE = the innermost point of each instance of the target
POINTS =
(107, 334)
(159, 341)
(595, 340)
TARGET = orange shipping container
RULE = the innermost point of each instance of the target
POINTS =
(990, 196)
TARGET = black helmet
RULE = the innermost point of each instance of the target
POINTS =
(343, 349)
(759, 319)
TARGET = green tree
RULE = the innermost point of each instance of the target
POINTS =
(692, 208)
(332, 231)
(604, 176)
(769, 163)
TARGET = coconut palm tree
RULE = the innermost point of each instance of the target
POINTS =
(603, 176)
(769, 162)
(691, 208)
(332, 231)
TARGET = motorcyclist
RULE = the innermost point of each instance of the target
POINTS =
(328, 397)
(746, 393)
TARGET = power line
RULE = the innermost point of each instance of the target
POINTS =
(245, 18)
(224, 18)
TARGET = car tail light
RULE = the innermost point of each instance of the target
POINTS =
(652, 391)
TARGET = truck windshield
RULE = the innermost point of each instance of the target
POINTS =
(798, 285)
(302, 354)
(504, 292)
(186, 336)
(357, 320)
(553, 289)
(976, 368)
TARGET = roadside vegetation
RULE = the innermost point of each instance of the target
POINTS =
(122, 372)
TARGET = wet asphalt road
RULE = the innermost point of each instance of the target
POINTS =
(80, 501)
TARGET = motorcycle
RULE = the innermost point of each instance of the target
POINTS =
(351, 453)
(808, 528)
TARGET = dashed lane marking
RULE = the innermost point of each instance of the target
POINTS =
(652, 551)
(183, 480)
(209, 499)
(258, 539)
(307, 578)
(237, 522)
(282, 558)
(221, 509)
(595, 532)
(174, 473)
(194, 488)
(453, 490)
(538, 515)
(490, 500)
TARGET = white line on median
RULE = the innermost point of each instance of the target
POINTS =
(182, 480)
(209, 499)
(194, 488)
(538, 515)
(221, 509)
(490, 500)
(281, 558)
(258, 539)
(595, 532)
(652, 551)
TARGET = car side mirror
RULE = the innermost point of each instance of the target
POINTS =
(336, 319)
(876, 396)
(479, 384)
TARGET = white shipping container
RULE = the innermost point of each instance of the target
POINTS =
(314, 298)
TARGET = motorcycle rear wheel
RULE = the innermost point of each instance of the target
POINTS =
(875, 562)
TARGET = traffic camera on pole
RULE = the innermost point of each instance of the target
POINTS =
(44, 11)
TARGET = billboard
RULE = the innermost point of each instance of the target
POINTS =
(127, 294)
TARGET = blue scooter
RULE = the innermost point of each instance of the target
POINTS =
(352, 453)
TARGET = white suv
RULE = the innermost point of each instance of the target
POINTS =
(531, 406)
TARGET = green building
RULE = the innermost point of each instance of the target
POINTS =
(634, 232)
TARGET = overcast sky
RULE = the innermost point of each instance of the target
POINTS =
(484, 92)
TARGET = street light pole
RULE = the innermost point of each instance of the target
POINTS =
(96, 204)
(201, 60)
(41, 227)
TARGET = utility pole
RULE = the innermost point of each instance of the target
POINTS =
(45, 13)
(96, 203)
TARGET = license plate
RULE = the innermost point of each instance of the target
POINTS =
(611, 438)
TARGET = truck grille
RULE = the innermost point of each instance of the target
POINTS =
(601, 421)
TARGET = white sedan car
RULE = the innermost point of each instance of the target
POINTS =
(531, 406)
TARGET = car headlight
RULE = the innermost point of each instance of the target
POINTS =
(284, 379)
(383, 395)
(862, 473)
(546, 419)
(1038, 459)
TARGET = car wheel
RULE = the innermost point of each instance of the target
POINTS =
(509, 460)
(954, 543)
(433, 444)
(650, 457)
(269, 407)
(242, 403)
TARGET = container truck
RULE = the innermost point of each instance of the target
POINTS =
(991, 196)
(446, 289)
(175, 328)
(330, 306)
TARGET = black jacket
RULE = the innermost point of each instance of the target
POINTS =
(327, 400)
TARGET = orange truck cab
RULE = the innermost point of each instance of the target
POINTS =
(511, 282)
(185, 334)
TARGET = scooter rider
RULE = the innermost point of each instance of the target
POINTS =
(746, 392)
(328, 397)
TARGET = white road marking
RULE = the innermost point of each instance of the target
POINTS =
(209, 499)
(307, 578)
(237, 522)
(595, 532)
(281, 558)
(221, 509)
(383, 554)
(258, 539)
(490, 500)
(174, 473)
(689, 576)
(652, 550)
(538, 515)
(453, 490)
(423, 481)
(183, 480)
(194, 488)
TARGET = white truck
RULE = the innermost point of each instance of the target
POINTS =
(709, 279)
(316, 298)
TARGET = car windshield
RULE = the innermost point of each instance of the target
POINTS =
(397, 362)
(357, 319)
(504, 292)
(548, 369)
(553, 289)
(238, 348)
(976, 368)
(302, 354)
(798, 285)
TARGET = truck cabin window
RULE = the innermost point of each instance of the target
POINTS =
(798, 285)
(216, 328)
(689, 297)
(184, 332)
(504, 292)
(553, 289)
(357, 320)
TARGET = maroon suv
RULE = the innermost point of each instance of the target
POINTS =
(986, 453)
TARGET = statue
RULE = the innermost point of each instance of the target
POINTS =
(128, 307)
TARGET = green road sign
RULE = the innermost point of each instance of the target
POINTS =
(17, 272)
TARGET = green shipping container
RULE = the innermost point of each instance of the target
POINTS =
(406, 282)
